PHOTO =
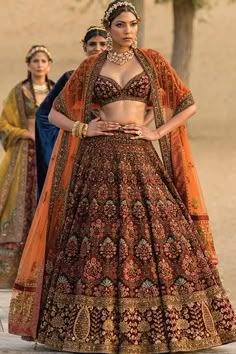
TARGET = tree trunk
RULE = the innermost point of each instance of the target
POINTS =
(184, 12)
(139, 5)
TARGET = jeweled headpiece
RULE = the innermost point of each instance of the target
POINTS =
(98, 29)
(37, 49)
(116, 6)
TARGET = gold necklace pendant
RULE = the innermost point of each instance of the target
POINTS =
(40, 89)
(120, 58)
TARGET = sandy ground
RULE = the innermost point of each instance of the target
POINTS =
(216, 163)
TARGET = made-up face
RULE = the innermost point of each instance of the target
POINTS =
(39, 65)
(95, 45)
(123, 30)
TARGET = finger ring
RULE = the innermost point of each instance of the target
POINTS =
(139, 132)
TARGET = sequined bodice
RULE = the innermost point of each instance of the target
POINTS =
(107, 90)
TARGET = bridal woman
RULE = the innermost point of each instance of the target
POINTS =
(124, 261)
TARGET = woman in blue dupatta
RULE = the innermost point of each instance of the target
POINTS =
(45, 132)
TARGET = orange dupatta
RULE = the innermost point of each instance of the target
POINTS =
(26, 295)
(170, 97)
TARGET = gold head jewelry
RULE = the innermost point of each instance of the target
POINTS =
(114, 7)
(37, 49)
(94, 28)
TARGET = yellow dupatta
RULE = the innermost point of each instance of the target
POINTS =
(75, 101)
(13, 168)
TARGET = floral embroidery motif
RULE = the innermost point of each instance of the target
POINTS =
(108, 249)
(109, 208)
(131, 271)
(138, 210)
(92, 270)
(107, 90)
(143, 251)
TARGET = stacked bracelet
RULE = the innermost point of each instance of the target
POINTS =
(79, 130)
(84, 130)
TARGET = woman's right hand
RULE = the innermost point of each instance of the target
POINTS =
(100, 127)
(28, 135)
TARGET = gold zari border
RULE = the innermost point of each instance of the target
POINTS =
(77, 340)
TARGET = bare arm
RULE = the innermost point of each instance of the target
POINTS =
(60, 120)
(148, 134)
(175, 122)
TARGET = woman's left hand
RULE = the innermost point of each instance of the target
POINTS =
(141, 132)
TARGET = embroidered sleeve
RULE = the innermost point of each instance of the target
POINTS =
(185, 102)
(175, 94)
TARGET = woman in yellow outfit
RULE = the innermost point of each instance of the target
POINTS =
(18, 170)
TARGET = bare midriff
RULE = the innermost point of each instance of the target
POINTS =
(124, 112)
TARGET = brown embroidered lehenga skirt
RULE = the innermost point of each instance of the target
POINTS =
(129, 274)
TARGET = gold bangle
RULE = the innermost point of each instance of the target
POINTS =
(85, 130)
(80, 130)
(75, 128)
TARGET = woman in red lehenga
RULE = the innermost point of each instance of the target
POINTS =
(125, 261)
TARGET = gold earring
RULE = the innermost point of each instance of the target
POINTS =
(109, 43)
(135, 43)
